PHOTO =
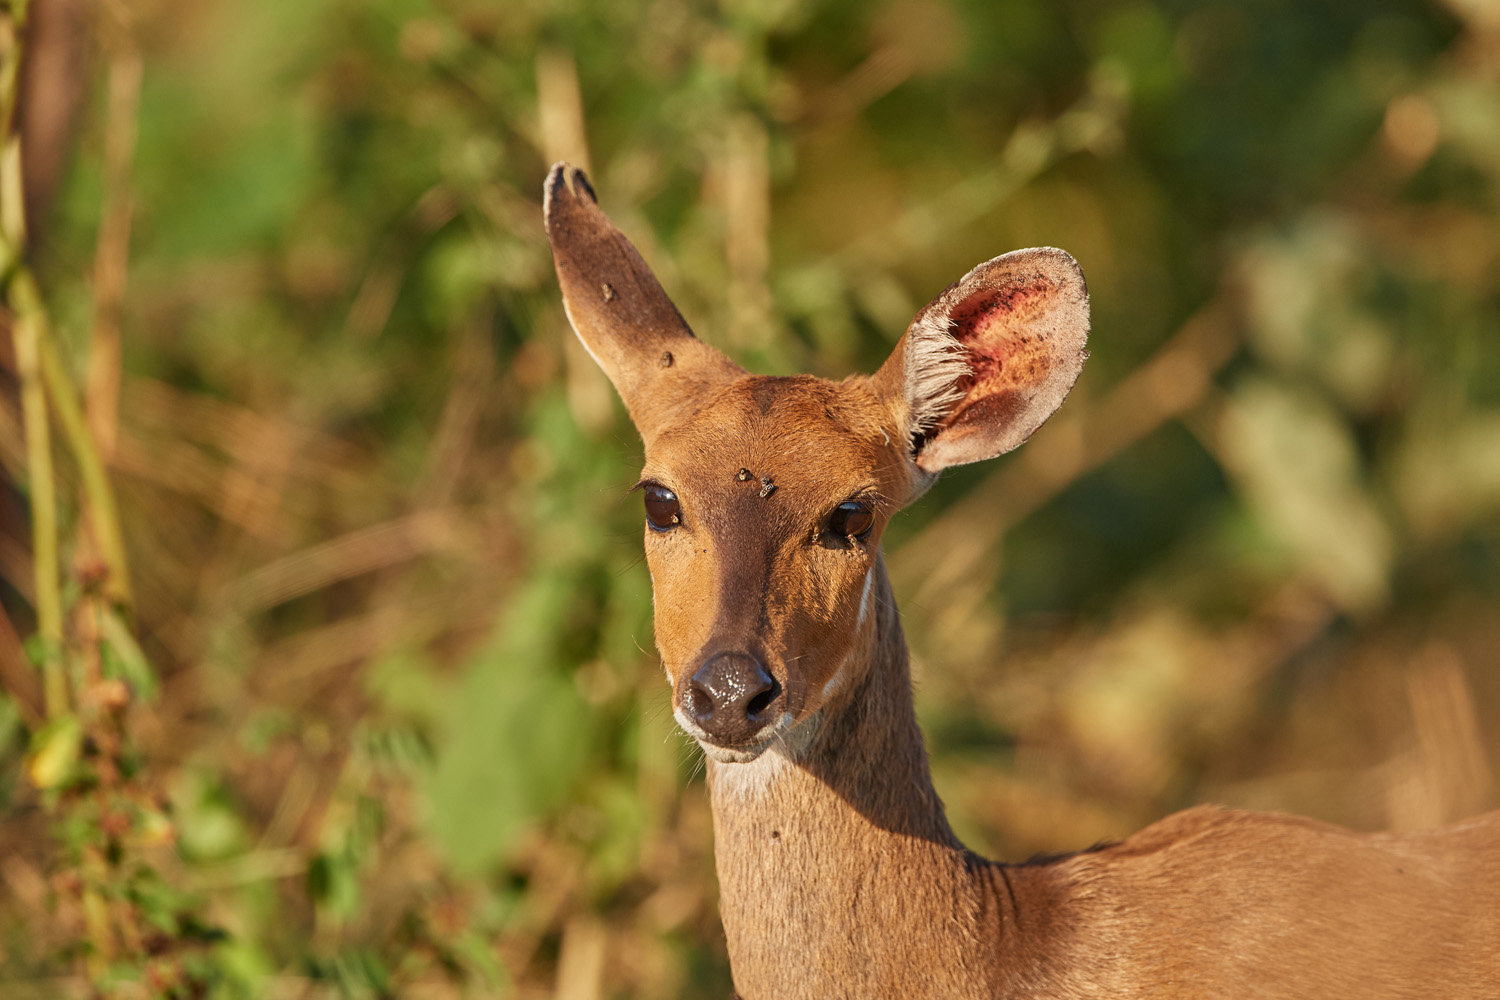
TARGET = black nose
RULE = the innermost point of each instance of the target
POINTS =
(730, 697)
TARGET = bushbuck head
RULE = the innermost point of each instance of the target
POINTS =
(766, 497)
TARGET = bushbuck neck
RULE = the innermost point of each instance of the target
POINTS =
(766, 499)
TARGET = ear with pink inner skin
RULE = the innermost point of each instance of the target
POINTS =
(620, 312)
(989, 360)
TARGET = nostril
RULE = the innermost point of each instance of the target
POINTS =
(700, 703)
(758, 704)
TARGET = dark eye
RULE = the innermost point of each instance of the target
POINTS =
(663, 512)
(851, 519)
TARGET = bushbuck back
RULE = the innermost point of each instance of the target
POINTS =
(765, 500)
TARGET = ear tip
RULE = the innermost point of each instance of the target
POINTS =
(1055, 265)
(1054, 260)
(581, 185)
(565, 184)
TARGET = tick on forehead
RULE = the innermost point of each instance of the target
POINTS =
(767, 484)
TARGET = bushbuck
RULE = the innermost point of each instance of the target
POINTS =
(765, 502)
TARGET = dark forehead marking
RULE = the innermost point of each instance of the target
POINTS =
(771, 392)
(764, 392)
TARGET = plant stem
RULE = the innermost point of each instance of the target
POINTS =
(96, 486)
(26, 328)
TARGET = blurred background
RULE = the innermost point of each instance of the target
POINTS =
(395, 726)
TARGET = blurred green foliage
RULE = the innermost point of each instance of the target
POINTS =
(409, 724)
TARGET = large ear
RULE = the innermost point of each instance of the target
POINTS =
(619, 311)
(989, 360)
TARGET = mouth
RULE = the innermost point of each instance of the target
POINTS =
(784, 731)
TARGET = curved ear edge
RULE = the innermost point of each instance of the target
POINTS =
(990, 359)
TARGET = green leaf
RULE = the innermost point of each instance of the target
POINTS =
(54, 752)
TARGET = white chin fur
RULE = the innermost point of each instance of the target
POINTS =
(793, 738)
(733, 755)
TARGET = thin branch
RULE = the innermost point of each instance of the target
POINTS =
(96, 486)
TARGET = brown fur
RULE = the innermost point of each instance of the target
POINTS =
(838, 873)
